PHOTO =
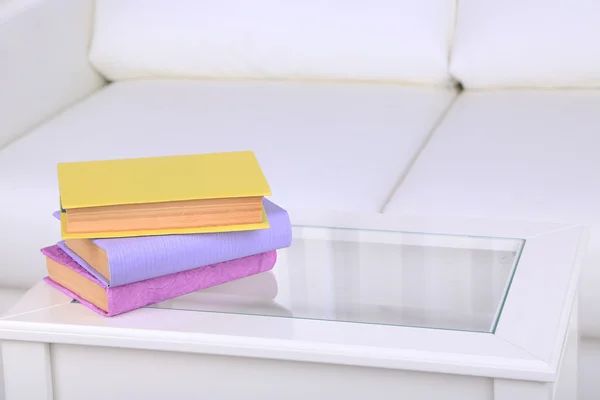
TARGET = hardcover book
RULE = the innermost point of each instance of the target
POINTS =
(195, 193)
(119, 261)
(69, 277)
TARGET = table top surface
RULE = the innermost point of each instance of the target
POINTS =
(466, 296)
(375, 277)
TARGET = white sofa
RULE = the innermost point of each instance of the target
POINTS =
(348, 105)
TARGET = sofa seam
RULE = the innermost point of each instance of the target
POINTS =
(91, 42)
(422, 146)
(283, 79)
(456, 83)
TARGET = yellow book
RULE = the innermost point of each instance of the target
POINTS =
(162, 195)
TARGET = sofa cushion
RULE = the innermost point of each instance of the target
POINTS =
(515, 43)
(321, 146)
(390, 40)
(43, 61)
(516, 154)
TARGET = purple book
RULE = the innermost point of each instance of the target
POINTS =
(140, 294)
(136, 259)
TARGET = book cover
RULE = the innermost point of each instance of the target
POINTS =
(140, 294)
(99, 189)
(139, 258)
(160, 179)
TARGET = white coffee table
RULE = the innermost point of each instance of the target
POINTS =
(378, 307)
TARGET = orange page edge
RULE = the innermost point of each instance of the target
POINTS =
(159, 232)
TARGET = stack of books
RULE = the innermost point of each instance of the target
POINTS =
(140, 231)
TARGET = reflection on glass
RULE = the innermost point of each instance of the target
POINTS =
(251, 295)
(377, 277)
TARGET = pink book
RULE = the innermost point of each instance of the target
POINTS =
(111, 301)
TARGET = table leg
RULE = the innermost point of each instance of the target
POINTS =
(27, 370)
(505, 389)
(567, 379)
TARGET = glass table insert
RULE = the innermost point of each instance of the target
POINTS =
(375, 277)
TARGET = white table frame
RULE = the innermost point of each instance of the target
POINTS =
(523, 355)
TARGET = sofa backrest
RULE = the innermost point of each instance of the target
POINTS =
(480, 43)
(375, 40)
(527, 43)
